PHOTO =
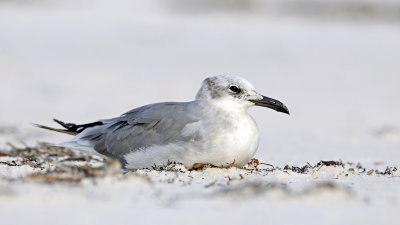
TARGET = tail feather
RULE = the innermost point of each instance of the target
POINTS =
(55, 129)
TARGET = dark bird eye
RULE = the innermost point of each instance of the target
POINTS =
(235, 89)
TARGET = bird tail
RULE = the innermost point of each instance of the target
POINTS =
(70, 128)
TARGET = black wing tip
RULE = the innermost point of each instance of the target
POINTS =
(68, 126)
(72, 127)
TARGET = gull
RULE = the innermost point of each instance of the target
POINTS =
(213, 129)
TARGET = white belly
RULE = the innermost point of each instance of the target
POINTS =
(222, 144)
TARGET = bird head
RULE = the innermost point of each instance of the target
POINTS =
(235, 93)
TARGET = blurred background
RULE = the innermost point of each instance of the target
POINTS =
(334, 63)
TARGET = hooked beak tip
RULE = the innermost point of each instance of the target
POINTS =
(286, 110)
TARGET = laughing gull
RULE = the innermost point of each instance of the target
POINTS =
(213, 129)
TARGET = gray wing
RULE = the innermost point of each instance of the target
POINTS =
(158, 124)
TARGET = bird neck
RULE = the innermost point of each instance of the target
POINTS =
(220, 107)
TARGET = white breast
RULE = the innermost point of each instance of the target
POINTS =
(241, 142)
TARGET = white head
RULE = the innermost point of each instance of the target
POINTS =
(234, 93)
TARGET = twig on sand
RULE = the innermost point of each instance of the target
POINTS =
(48, 177)
(204, 165)
(267, 164)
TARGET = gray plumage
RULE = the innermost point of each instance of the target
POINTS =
(154, 124)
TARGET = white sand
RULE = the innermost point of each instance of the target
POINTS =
(325, 194)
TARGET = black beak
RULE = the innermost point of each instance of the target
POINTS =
(272, 104)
